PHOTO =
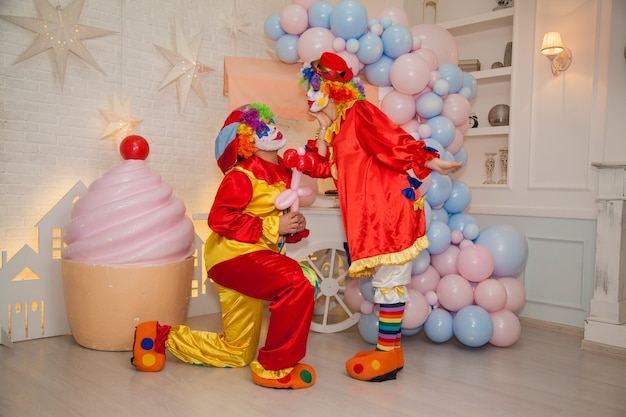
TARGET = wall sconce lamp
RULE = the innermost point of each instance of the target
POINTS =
(560, 56)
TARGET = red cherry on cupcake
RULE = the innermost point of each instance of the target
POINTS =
(134, 147)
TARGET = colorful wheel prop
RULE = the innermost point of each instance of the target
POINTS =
(330, 263)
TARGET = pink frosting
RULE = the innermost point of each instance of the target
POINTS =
(129, 217)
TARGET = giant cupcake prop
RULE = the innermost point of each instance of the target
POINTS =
(127, 255)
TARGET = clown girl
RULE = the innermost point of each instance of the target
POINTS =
(245, 259)
(368, 157)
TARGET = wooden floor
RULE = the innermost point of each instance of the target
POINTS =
(544, 374)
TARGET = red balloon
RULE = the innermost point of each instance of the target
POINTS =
(134, 147)
(290, 157)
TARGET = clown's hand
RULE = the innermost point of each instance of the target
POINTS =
(443, 166)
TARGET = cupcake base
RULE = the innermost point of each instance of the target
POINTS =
(105, 303)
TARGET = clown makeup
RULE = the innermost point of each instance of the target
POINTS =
(270, 140)
(317, 100)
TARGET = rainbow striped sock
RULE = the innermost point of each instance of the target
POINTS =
(390, 326)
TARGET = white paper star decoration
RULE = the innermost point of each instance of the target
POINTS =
(58, 29)
(186, 68)
(121, 122)
(234, 23)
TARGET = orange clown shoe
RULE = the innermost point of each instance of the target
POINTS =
(301, 376)
(149, 346)
(373, 366)
(399, 356)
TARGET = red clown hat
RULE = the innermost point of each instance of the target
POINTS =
(332, 67)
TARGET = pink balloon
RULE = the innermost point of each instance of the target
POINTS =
(475, 263)
(456, 108)
(454, 292)
(352, 295)
(409, 74)
(515, 292)
(305, 3)
(465, 243)
(429, 57)
(313, 42)
(457, 142)
(398, 106)
(416, 310)
(294, 19)
(424, 131)
(439, 40)
(433, 77)
(311, 184)
(426, 281)
(411, 126)
(445, 262)
(431, 298)
(507, 328)
(367, 307)
(396, 14)
(490, 294)
(456, 237)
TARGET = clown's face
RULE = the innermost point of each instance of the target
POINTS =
(270, 140)
(317, 100)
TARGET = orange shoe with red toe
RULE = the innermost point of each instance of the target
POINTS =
(301, 376)
(373, 366)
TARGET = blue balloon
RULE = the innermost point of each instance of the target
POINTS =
(421, 263)
(433, 143)
(443, 130)
(319, 14)
(441, 87)
(459, 221)
(470, 82)
(348, 19)
(428, 213)
(453, 75)
(471, 231)
(397, 40)
(287, 48)
(439, 236)
(378, 73)
(429, 105)
(370, 48)
(368, 328)
(461, 156)
(366, 288)
(272, 27)
(472, 326)
(508, 247)
(459, 198)
(441, 215)
(411, 332)
(438, 326)
(439, 190)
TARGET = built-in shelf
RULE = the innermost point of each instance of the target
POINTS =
(485, 21)
(495, 74)
(488, 131)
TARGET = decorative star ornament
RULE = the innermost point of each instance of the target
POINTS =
(234, 22)
(121, 122)
(58, 29)
(186, 68)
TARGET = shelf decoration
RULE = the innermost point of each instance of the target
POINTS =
(120, 120)
(58, 29)
(490, 164)
(186, 69)
(504, 164)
